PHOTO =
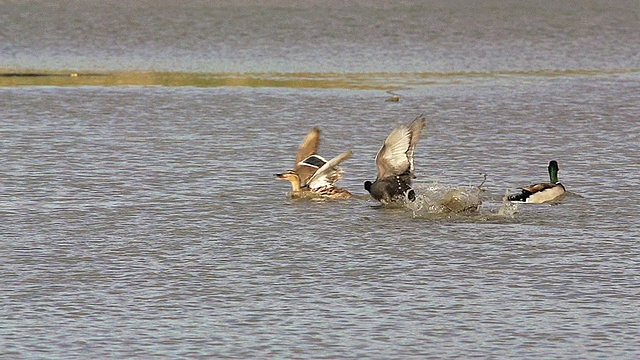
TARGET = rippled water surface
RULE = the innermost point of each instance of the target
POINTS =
(146, 221)
(318, 36)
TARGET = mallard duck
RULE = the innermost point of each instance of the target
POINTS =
(542, 192)
(313, 176)
(395, 164)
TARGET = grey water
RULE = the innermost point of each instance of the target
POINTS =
(145, 221)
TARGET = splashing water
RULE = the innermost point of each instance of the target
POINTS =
(439, 198)
(508, 208)
(449, 201)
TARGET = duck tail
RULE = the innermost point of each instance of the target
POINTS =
(521, 197)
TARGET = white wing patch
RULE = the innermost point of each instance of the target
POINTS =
(329, 173)
(308, 166)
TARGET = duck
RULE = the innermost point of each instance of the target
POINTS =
(394, 163)
(542, 192)
(394, 97)
(312, 175)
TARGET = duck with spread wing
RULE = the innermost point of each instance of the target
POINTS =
(312, 175)
(395, 164)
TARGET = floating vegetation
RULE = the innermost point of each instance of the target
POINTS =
(388, 81)
(364, 81)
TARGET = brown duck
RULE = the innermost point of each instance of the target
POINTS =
(312, 175)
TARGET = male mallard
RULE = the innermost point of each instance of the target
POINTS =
(543, 192)
(313, 176)
(395, 164)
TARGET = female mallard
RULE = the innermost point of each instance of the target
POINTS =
(543, 192)
(395, 164)
(313, 176)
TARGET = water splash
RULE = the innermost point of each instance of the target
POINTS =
(507, 209)
(439, 198)
(443, 201)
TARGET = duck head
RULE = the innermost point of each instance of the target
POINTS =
(367, 185)
(292, 177)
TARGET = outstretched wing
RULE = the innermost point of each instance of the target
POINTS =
(396, 155)
(329, 173)
(307, 148)
(415, 129)
(309, 166)
(392, 157)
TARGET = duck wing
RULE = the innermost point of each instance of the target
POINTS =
(307, 148)
(415, 129)
(538, 187)
(307, 167)
(396, 154)
(329, 173)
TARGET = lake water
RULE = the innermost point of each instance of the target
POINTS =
(140, 217)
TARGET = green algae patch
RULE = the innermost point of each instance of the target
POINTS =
(289, 80)
(363, 81)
